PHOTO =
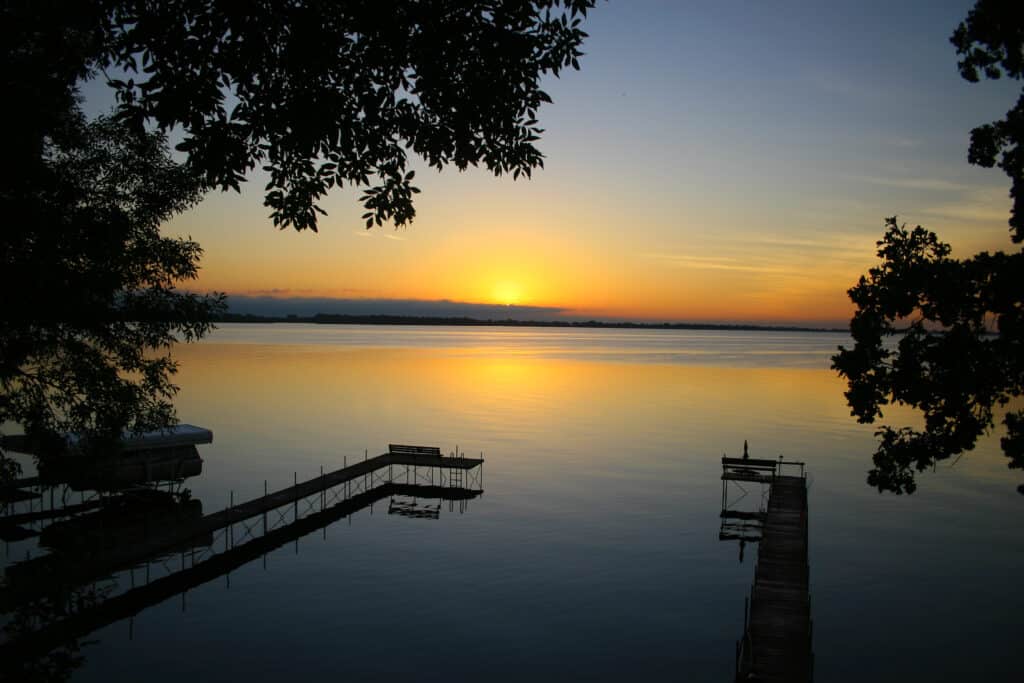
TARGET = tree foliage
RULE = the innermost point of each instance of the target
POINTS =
(95, 309)
(943, 362)
(990, 42)
(89, 283)
(316, 93)
(324, 94)
(942, 335)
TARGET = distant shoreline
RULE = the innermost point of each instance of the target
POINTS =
(330, 319)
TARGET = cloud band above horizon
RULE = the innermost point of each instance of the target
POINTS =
(443, 308)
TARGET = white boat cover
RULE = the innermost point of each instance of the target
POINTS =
(178, 435)
(169, 437)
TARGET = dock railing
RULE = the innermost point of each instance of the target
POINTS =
(789, 467)
(762, 470)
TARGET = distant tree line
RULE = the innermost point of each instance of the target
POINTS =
(341, 319)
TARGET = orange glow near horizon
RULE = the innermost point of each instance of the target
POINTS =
(539, 271)
(589, 285)
(481, 240)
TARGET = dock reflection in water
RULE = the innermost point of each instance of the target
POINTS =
(119, 550)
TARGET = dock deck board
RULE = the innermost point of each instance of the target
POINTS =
(777, 644)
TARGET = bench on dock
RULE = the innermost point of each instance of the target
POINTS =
(749, 469)
(399, 449)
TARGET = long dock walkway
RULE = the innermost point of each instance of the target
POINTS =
(79, 624)
(776, 645)
(359, 478)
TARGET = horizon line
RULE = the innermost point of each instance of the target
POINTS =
(307, 306)
(465, 321)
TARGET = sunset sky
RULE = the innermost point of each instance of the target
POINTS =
(719, 161)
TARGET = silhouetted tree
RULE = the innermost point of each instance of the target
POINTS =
(942, 335)
(324, 94)
(316, 93)
(88, 282)
(91, 308)
(990, 42)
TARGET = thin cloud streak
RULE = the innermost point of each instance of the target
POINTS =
(982, 205)
(717, 263)
(927, 184)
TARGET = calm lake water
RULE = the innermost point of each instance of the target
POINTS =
(593, 553)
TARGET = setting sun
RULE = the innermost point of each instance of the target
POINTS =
(508, 293)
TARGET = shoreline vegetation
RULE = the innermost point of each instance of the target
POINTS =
(337, 319)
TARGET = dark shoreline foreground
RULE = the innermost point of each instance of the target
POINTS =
(328, 319)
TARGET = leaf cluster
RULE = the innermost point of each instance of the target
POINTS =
(323, 94)
(941, 335)
(990, 43)
(93, 307)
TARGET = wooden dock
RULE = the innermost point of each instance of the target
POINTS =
(80, 623)
(776, 644)
(380, 472)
